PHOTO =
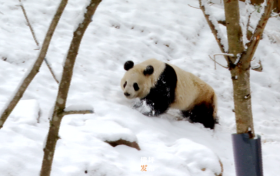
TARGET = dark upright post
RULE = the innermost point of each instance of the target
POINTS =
(247, 155)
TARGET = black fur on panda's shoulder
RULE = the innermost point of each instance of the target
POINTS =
(163, 94)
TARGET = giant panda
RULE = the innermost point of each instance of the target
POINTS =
(162, 86)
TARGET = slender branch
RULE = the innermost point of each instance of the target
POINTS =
(193, 7)
(64, 85)
(78, 112)
(28, 23)
(248, 23)
(255, 39)
(217, 62)
(35, 39)
(212, 26)
(51, 70)
(214, 30)
(35, 68)
(248, 33)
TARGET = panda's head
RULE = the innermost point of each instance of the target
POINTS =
(138, 80)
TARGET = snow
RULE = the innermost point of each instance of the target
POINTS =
(79, 107)
(128, 30)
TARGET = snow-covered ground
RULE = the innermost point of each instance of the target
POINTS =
(171, 31)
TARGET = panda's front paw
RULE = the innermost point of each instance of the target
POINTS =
(147, 114)
(138, 104)
(150, 114)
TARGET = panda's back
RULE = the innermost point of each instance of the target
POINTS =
(190, 90)
(185, 91)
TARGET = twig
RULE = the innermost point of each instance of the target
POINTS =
(248, 23)
(35, 39)
(259, 68)
(217, 62)
(28, 23)
(214, 31)
(252, 45)
(35, 68)
(193, 7)
(51, 70)
(78, 112)
(275, 16)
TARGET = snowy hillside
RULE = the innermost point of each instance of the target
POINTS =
(121, 30)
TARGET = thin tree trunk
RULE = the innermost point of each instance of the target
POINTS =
(35, 68)
(64, 85)
(242, 100)
(240, 72)
(239, 63)
(240, 69)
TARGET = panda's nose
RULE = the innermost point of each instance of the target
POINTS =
(126, 94)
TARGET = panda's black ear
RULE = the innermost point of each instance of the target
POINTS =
(149, 70)
(128, 65)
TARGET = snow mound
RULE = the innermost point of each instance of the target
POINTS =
(79, 107)
(109, 131)
(198, 158)
(25, 112)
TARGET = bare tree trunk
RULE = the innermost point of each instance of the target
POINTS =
(239, 62)
(240, 72)
(59, 109)
(35, 68)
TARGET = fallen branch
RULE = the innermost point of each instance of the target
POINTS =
(35, 68)
(59, 108)
(77, 112)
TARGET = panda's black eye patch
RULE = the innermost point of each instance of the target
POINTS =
(124, 84)
(135, 86)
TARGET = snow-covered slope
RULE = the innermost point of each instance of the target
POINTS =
(122, 30)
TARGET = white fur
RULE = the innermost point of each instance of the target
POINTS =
(135, 75)
(190, 89)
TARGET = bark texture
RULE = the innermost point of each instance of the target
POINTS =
(64, 85)
(35, 68)
(240, 71)
(241, 76)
